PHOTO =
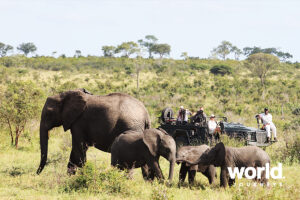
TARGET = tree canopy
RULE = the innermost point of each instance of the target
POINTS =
(161, 49)
(4, 49)
(27, 48)
(127, 48)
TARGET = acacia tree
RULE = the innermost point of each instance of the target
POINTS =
(127, 48)
(148, 43)
(4, 49)
(260, 64)
(223, 50)
(108, 51)
(18, 106)
(161, 49)
(237, 52)
(27, 48)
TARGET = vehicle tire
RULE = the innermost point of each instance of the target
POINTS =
(166, 113)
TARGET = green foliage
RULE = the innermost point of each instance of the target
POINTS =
(98, 180)
(161, 49)
(27, 48)
(221, 70)
(108, 51)
(19, 104)
(161, 192)
(196, 66)
(4, 49)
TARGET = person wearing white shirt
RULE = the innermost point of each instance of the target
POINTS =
(212, 125)
(266, 118)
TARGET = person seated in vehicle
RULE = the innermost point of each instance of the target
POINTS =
(200, 117)
(183, 116)
(266, 119)
(213, 129)
(180, 115)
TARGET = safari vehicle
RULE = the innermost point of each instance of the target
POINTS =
(195, 134)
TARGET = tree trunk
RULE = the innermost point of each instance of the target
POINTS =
(17, 140)
(10, 131)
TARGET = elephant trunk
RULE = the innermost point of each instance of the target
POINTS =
(171, 170)
(44, 147)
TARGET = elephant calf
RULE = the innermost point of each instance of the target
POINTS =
(133, 150)
(225, 157)
(191, 154)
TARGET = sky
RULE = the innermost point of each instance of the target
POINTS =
(193, 26)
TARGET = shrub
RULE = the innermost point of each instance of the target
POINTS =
(221, 70)
(97, 180)
(195, 66)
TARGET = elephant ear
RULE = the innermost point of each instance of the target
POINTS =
(74, 103)
(152, 140)
(220, 154)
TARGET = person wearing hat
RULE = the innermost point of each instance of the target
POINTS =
(266, 118)
(181, 115)
(212, 125)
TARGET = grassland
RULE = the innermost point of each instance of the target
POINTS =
(162, 83)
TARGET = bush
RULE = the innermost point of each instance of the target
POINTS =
(221, 70)
(195, 66)
(97, 180)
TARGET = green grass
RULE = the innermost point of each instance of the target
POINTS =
(99, 181)
(162, 83)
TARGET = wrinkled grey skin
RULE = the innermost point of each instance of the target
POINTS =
(188, 154)
(134, 150)
(93, 121)
(221, 156)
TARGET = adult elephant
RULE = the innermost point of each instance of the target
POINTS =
(93, 121)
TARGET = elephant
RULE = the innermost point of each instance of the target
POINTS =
(224, 157)
(133, 150)
(187, 154)
(93, 121)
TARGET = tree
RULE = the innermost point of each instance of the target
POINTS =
(184, 55)
(127, 48)
(77, 53)
(237, 52)
(27, 48)
(150, 40)
(272, 50)
(18, 106)
(161, 49)
(260, 64)
(108, 51)
(4, 49)
(223, 50)
(221, 70)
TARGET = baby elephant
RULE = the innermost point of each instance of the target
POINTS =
(135, 149)
(242, 157)
(191, 154)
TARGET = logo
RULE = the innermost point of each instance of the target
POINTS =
(258, 172)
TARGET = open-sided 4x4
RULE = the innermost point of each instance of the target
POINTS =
(195, 134)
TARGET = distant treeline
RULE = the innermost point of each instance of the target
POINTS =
(150, 46)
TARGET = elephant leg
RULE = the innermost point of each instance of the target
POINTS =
(148, 174)
(153, 164)
(224, 177)
(231, 182)
(78, 154)
(192, 174)
(182, 172)
(210, 173)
